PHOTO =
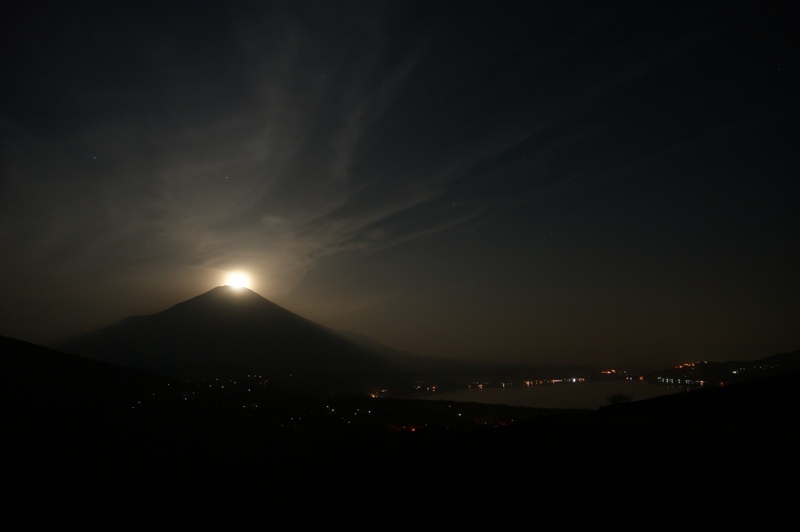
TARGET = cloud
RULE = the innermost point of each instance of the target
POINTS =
(281, 139)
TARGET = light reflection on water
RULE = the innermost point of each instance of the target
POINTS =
(591, 395)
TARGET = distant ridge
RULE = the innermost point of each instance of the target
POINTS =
(60, 375)
(230, 332)
(729, 372)
(51, 392)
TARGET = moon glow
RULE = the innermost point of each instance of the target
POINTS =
(238, 280)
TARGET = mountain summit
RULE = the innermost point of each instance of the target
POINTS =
(230, 332)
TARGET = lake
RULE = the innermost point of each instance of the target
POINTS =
(591, 395)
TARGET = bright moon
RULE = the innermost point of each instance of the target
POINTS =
(238, 280)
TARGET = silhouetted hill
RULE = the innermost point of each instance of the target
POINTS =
(47, 376)
(715, 373)
(58, 397)
(718, 455)
(723, 456)
(229, 332)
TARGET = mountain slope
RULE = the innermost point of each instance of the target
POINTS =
(229, 332)
(49, 376)
(59, 397)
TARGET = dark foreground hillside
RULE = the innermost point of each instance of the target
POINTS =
(149, 454)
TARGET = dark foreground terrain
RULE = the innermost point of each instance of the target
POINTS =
(94, 446)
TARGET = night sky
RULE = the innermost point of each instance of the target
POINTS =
(564, 182)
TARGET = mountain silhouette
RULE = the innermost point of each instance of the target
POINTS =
(231, 332)
(47, 377)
